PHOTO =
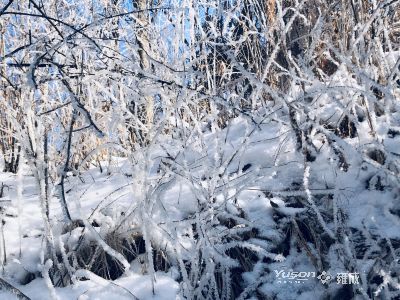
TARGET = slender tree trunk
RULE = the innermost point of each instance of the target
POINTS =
(144, 50)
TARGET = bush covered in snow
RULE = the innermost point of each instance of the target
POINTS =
(200, 149)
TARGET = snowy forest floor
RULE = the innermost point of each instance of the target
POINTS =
(275, 207)
(22, 268)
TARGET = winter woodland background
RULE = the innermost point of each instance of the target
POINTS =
(186, 149)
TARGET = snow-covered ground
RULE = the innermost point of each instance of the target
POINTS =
(24, 229)
(245, 189)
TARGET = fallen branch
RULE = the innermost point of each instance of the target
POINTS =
(4, 285)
